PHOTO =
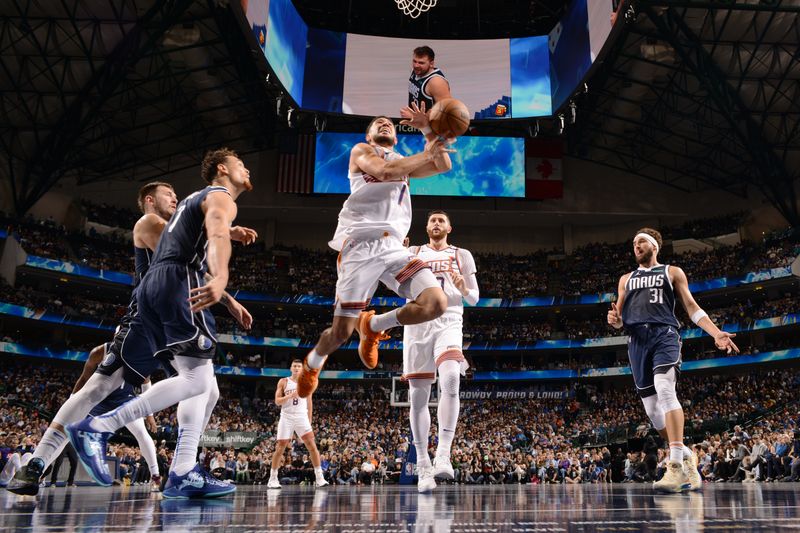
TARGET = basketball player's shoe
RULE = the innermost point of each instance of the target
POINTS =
(91, 446)
(369, 340)
(321, 483)
(273, 483)
(426, 483)
(196, 483)
(155, 483)
(690, 466)
(443, 468)
(308, 380)
(674, 479)
(26, 480)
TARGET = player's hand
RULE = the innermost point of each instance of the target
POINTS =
(207, 295)
(415, 116)
(438, 147)
(243, 235)
(614, 318)
(150, 422)
(240, 314)
(459, 282)
(723, 342)
(406, 242)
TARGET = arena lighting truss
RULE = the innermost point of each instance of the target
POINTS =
(699, 95)
(131, 89)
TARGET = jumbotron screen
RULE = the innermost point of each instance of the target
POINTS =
(482, 166)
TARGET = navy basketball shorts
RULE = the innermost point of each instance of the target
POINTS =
(652, 349)
(165, 311)
(112, 401)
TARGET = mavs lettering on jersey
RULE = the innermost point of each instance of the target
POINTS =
(416, 88)
(649, 298)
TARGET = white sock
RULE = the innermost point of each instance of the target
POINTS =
(319, 474)
(420, 417)
(52, 444)
(385, 321)
(449, 405)
(687, 452)
(273, 474)
(676, 452)
(315, 360)
(195, 376)
(146, 444)
(191, 423)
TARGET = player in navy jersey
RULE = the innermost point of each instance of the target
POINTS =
(174, 300)
(427, 84)
(645, 307)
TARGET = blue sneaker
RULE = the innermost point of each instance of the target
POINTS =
(91, 446)
(197, 483)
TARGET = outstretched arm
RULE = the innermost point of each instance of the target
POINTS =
(722, 339)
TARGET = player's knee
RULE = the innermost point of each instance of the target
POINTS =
(665, 388)
(654, 411)
(434, 303)
(449, 378)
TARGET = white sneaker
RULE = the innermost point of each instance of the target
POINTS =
(426, 483)
(273, 483)
(674, 479)
(690, 467)
(443, 468)
(321, 483)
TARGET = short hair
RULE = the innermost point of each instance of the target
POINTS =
(438, 212)
(422, 51)
(150, 190)
(208, 170)
(296, 361)
(654, 234)
(371, 122)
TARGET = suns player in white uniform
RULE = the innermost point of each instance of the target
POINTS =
(437, 345)
(373, 222)
(295, 419)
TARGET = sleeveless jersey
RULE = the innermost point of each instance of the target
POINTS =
(297, 406)
(374, 208)
(416, 88)
(141, 260)
(184, 240)
(649, 298)
(441, 263)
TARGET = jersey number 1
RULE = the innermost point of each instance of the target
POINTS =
(656, 296)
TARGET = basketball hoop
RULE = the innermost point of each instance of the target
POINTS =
(414, 8)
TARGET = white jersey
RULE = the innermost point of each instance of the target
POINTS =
(295, 407)
(374, 208)
(442, 263)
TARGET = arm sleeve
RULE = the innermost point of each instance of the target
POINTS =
(468, 270)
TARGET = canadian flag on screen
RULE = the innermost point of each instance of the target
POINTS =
(543, 166)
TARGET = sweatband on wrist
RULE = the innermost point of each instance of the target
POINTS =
(426, 130)
(698, 315)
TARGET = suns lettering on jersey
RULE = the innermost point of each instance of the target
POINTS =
(441, 265)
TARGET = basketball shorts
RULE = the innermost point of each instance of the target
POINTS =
(112, 401)
(427, 345)
(363, 263)
(166, 315)
(652, 349)
(134, 351)
(293, 424)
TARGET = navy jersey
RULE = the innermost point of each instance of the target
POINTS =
(141, 260)
(184, 241)
(416, 88)
(649, 298)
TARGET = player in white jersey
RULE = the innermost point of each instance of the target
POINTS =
(295, 419)
(437, 345)
(373, 222)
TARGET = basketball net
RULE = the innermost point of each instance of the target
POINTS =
(414, 8)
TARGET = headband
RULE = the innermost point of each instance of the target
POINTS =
(648, 238)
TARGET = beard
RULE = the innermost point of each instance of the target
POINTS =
(646, 257)
(383, 139)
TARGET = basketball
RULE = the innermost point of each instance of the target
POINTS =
(449, 118)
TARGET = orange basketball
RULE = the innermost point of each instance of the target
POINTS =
(449, 118)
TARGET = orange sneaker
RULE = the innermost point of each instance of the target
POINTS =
(368, 344)
(308, 380)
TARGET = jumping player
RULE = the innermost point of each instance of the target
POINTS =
(373, 222)
(437, 345)
(295, 419)
(646, 308)
(174, 312)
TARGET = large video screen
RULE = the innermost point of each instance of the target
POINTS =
(482, 166)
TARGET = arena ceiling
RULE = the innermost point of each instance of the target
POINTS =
(695, 94)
